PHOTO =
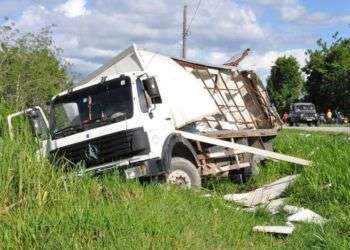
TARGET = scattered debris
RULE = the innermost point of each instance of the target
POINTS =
(273, 206)
(286, 230)
(206, 195)
(262, 195)
(291, 209)
(307, 215)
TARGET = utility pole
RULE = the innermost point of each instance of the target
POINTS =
(184, 32)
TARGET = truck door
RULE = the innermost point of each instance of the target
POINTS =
(38, 125)
(157, 119)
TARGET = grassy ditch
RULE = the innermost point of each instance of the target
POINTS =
(42, 207)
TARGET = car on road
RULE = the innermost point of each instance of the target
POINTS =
(303, 113)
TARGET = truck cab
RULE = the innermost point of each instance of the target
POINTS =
(116, 122)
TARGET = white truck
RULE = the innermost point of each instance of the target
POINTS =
(150, 115)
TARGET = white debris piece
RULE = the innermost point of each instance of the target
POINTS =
(262, 195)
(273, 206)
(274, 229)
(206, 195)
(306, 215)
(292, 209)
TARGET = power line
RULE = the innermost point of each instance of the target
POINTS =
(194, 16)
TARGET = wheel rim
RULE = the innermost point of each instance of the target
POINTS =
(179, 178)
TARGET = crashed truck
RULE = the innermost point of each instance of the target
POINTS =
(150, 115)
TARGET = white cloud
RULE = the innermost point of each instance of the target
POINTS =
(217, 32)
(262, 62)
(32, 18)
(216, 57)
(293, 11)
(274, 2)
(83, 65)
(73, 8)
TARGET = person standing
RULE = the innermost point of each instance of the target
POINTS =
(329, 116)
(285, 117)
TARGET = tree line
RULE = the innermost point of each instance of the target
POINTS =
(324, 80)
(31, 68)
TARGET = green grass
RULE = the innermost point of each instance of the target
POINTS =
(41, 207)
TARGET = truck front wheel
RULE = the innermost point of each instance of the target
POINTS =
(183, 173)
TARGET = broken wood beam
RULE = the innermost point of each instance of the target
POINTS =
(244, 148)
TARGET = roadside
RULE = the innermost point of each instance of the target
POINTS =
(345, 130)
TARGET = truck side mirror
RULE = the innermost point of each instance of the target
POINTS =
(33, 113)
(151, 88)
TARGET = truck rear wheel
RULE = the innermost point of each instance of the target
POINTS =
(244, 174)
(183, 173)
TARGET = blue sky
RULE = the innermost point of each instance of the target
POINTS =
(91, 32)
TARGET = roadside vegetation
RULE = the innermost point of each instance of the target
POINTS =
(43, 207)
(31, 67)
(326, 84)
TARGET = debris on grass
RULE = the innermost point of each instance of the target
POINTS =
(273, 206)
(284, 230)
(206, 195)
(306, 215)
(262, 195)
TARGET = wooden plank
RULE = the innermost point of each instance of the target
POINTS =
(223, 154)
(247, 149)
(222, 97)
(233, 100)
(241, 133)
(217, 104)
(240, 93)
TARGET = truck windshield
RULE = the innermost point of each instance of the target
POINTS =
(91, 107)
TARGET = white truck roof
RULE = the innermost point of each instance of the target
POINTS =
(185, 95)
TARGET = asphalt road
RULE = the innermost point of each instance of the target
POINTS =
(345, 130)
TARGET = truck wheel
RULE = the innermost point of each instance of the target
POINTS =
(244, 174)
(317, 123)
(309, 124)
(183, 173)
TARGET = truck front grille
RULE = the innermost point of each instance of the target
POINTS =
(106, 148)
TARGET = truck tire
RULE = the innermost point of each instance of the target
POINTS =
(183, 173)
(244, 174)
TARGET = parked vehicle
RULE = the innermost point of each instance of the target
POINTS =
(303, 113)
(139, 114)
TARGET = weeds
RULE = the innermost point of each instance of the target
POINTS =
(43, 207)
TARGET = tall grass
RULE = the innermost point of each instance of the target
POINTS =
(43, 207)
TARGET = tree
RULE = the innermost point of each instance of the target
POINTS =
(285, 83)
(328, 75)
(31, 69)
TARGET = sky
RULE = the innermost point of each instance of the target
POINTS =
(91, 32)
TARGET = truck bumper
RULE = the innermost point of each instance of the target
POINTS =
(131, 169)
